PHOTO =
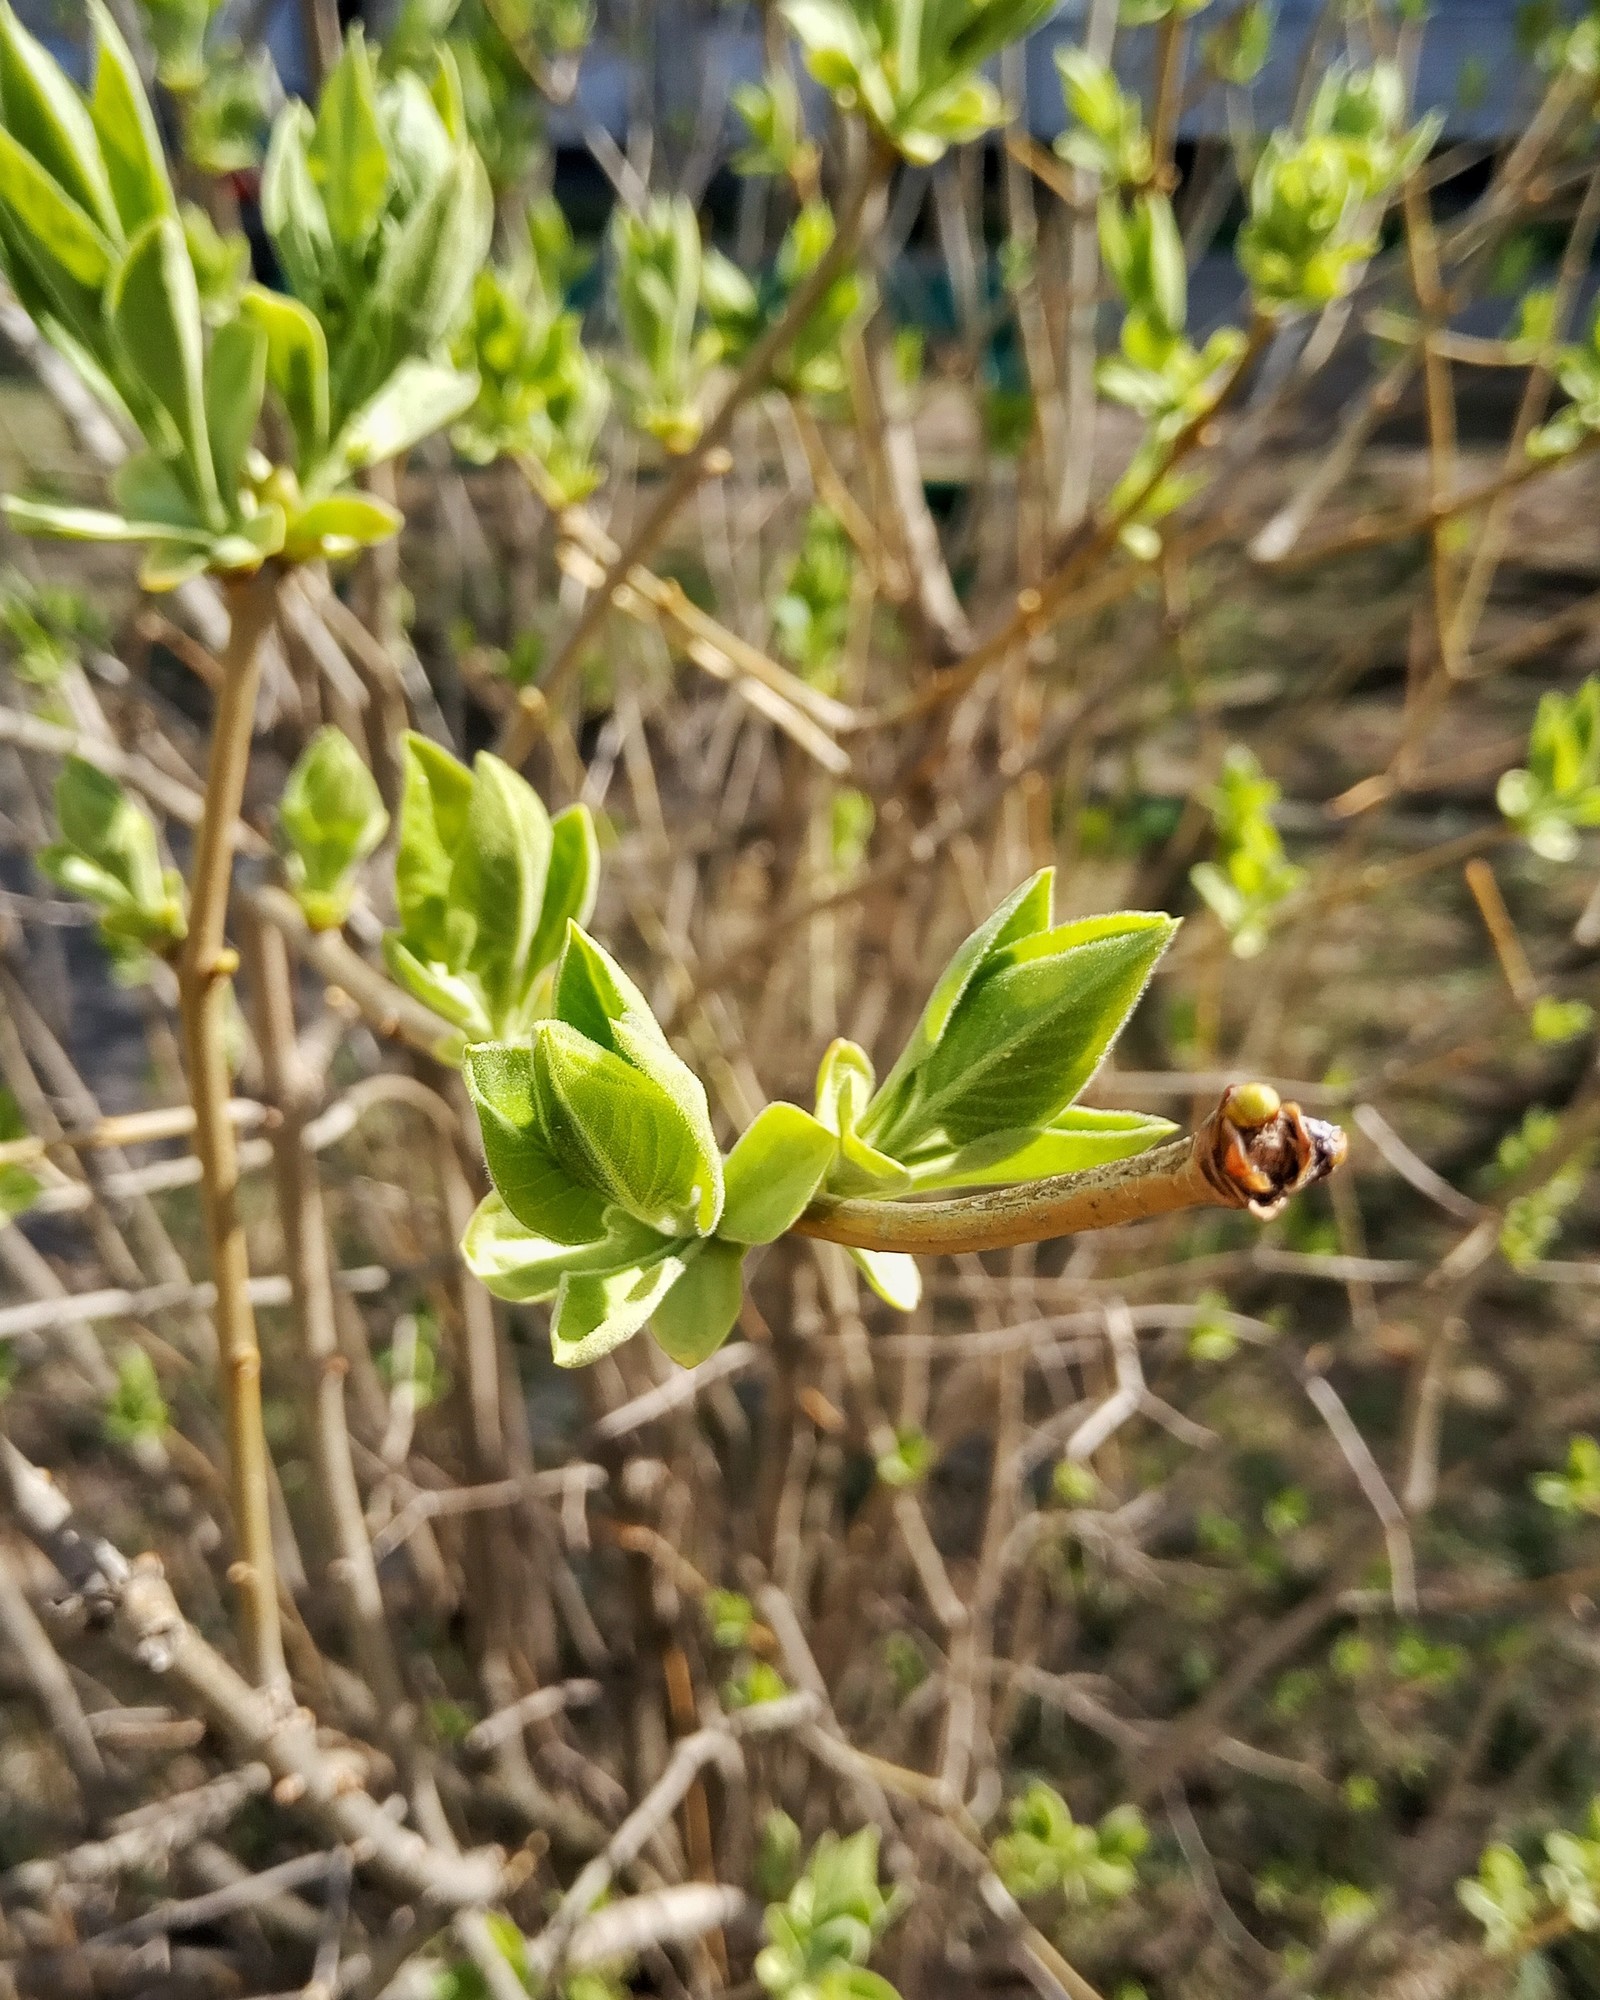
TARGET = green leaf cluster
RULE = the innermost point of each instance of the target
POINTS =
(821, 1935)
(1252, 876)
(1105, 133)
(19, 1188)
(380, 213)
(541, 394)
(659, 264)
(45, 627)
(1159, 372)
(136, 1409)
(983, 1095)
(331, 818)
(611, 1197)
(609, 1185)
(811, 616)
(178, 31)
(1047, 1852)
(1510, 1900)
(775, 128)
(1558, 791)
(738, 311)
(380, 216)
(1315, 197)
(108, 854)
(1236, 50)
(1575, 1489)
(485, 885)
(913, 68)
(1579, 375)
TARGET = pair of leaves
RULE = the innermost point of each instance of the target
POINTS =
(1020, 1020)
(485, 884)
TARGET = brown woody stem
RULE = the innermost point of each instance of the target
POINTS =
(204, 985)
(1253, 1152)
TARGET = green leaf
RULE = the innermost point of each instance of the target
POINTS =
(772, 1173)
(341, 524)
(699, 1312)
(499, 877)
(892, 1275)
(423, 286)
(1073, 1141)
(154, 308)
(292, 211)
(518, 1265)
(348, 159)
(571, 883)
(62, 239)
(452, 998)
(594, 994)
(130, 143)
(1032, 1028)
(594, 1314)
(47, 118)
(421, 397)
(236, 380)
(147, 488)
(433, 823)
(92, 524)
(624, 1133)
(297, 367)
(536, 1189)
(1024, 913)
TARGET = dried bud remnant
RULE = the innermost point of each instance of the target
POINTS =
(1257, 1151)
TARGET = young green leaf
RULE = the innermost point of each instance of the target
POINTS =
(536, 1188)
(572, 882)
(419, 398)
(49, 120)
(1073, 1141)
(130, 143)
(69, 253)
(236, 380)
(297, 366)
(1034, 1025)
(517, 1264)
(772, 1173)
(348, 159)
(1024, 913)
(624, 1132)
(434, 801)
(594, 1314)
(332, 816)
(292, 210)
(892, 1275)
(699, 1312)
(498, 878)
(154, 308)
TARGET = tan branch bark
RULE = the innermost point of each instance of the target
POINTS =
(204, 991)
(1230, 1162)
